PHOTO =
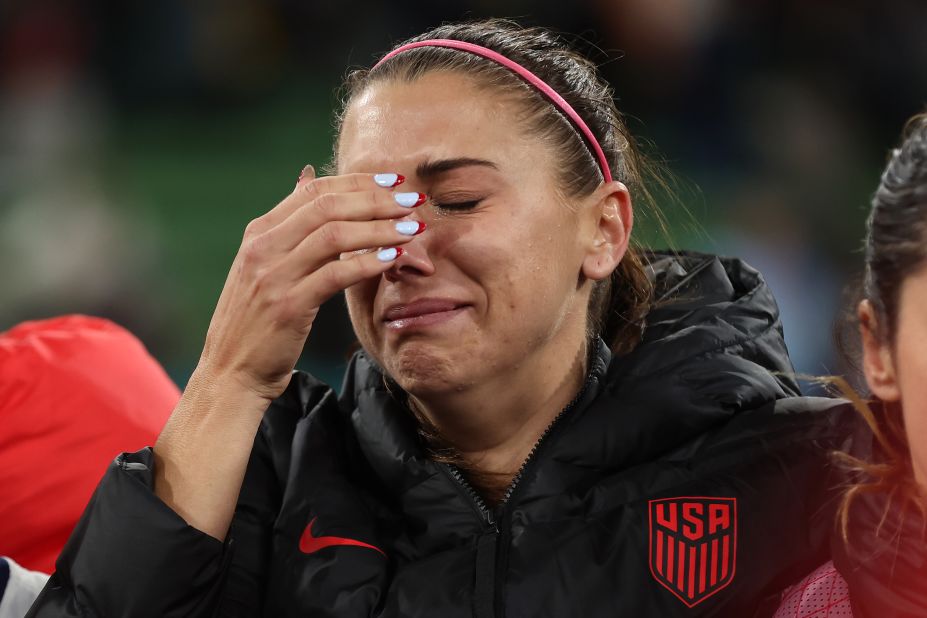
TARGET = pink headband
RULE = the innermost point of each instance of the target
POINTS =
(525, 74)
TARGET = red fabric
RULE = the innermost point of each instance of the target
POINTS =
(75, 391)
(823, 594)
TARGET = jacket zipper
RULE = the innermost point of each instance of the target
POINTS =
(534, 449)
(484, 509)
(488, 557)
(485, 563)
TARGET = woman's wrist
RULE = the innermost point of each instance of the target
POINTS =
(224, 393)
(202, 453)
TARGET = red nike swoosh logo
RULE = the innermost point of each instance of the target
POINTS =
(309, 544)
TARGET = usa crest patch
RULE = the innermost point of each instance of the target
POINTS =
(693, 545)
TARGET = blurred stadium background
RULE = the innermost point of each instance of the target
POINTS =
(138, 139)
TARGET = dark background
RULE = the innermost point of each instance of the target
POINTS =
(138, 139)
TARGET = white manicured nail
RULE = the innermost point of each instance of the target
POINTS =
(388, 255)
(388, 180)
(409, 200)
(410, 228)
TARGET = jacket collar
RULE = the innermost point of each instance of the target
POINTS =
(386, 428)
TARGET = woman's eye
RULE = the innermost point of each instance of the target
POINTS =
(467, 205)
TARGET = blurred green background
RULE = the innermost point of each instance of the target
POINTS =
(138, 139)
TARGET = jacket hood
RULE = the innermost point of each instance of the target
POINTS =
(710, 307)
(713, 348)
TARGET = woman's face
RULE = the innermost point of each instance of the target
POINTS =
(896, 370)
(495, 280)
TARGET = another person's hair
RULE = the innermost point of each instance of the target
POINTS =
(619, 304)
(895, 248)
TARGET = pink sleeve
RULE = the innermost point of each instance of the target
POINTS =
(823, 594)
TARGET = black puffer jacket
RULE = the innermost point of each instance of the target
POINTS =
(693, 445)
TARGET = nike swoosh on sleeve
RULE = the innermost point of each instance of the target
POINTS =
(309, 544)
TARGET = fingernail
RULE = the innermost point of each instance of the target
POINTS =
(389, 180)
(410, 200)
(410, 228)
(388, 255)
(306, 170)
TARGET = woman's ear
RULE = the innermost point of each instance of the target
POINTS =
(878, 362)
(610, 230)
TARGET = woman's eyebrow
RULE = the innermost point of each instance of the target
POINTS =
(430, 169)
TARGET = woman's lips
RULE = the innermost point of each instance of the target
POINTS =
(422, 313)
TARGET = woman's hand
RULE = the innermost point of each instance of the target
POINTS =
(289, 264)
(313, 244)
